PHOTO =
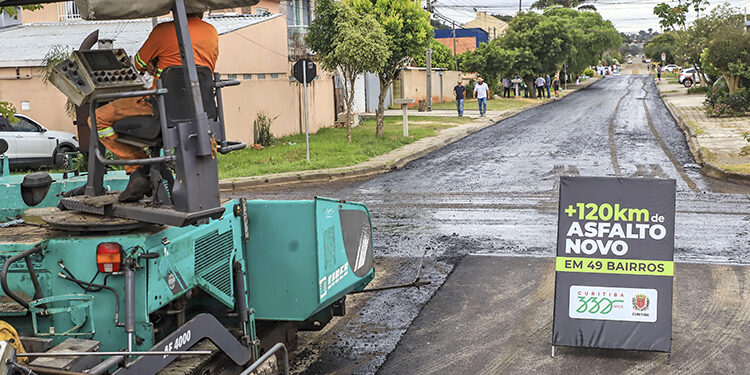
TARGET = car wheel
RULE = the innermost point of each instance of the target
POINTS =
(60, 160)
(687, 82)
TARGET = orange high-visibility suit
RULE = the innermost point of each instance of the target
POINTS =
(158, 52)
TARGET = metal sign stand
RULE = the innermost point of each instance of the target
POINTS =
(307, 130)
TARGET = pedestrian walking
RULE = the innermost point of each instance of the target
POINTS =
(658, 73)
(539, 87)
(556, 86)
(506, 88)
(460, 93)
(481, 92)
(547, 83)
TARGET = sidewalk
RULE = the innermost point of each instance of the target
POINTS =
(395, 159)
(716, 143)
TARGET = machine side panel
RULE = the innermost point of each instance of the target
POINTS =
(281, 257)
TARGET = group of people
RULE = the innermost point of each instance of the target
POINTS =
(482, 91)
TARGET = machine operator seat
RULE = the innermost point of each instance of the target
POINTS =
(145, 131)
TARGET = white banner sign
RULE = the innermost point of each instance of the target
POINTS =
(612, 303)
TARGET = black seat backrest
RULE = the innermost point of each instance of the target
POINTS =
(177, 100)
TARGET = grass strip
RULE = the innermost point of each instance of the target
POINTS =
(329, 148)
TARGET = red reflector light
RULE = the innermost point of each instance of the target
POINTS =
(108, 256)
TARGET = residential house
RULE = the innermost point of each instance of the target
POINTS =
(489, 23)
(254, 48)
(466, 39)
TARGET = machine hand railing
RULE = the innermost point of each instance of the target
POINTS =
(266, 356)
(94, 135)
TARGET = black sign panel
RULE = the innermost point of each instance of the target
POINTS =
(614, 265)
(309, 66)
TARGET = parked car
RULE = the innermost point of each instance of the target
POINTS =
(686, 77)
(671, 68)
(648, 61)
(30, 143)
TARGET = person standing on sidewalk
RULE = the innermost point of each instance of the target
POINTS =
(556, 86)
(658, 73)
(481, 92)
(539, 83)
(547, 83)
(459, 92)
(506, 88)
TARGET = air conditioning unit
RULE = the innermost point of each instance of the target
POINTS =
(8, 20)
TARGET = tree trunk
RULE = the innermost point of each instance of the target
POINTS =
(349, 103)
(733, 82)
(532, 87)
(380, 112)
(704, 79)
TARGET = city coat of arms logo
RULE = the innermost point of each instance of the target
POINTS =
(640, 302)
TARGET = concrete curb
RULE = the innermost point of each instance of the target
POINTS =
(393, 159)
(707, 168)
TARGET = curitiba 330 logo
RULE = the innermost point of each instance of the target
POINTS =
(594, 305)
(611, 303)
(640, 302)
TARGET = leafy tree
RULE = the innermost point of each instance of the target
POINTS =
(592, 36)
(408, 31)
(322, 30)
(442, 56)
(579, 4)
(539, 43)
(663, 43)
(672, 17)
(358, 45)
(692, 43)
(438, 25)
(729, 52)
(490, 60)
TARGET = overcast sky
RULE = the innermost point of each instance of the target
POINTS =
(626, 15)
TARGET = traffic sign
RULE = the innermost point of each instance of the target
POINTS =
(304, 70)
(663, 56)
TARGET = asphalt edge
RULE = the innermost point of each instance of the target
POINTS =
(363, 170)
(707, 168)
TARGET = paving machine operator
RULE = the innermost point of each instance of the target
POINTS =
(158, 52)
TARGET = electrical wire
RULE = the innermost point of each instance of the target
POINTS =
(89, 286)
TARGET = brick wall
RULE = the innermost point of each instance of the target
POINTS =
(462, 44)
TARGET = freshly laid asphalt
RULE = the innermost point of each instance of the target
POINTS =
(492, 195)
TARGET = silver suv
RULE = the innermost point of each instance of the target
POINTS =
(30, 143)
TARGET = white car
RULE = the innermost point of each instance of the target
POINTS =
(671, 68)
(686, 77)
(30, 143)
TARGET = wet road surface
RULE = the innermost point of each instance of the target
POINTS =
(495, 193)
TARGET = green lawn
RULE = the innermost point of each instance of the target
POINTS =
(492, 104)
(329, 149)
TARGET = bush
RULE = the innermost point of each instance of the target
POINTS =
(720, 102)
(698, 90)
(589, 72)
(262, 129)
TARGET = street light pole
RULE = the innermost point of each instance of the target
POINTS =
(455, 57)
